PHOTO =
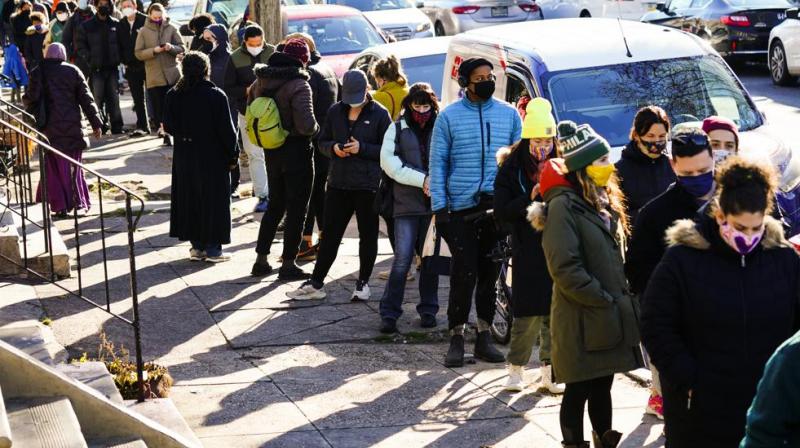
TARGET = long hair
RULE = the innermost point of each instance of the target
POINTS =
(195, 68)
(389, 68)
(591, 194)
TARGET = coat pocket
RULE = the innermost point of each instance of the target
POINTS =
(601, 328)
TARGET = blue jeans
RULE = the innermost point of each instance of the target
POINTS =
(409, 234)
(212, 250)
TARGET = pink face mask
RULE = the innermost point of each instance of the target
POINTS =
(739, 241)
(541, 152)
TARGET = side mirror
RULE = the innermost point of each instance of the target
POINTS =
(185, 31)
(792, 13)
(661, 7)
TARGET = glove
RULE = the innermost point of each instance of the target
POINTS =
(443, 224)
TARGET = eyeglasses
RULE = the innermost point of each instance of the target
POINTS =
(700, 140)
(478, 79)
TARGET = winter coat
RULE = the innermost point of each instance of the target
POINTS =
(594, 319)
(404, 159)
(711, 319)
(98, 43)
(34, 46)
(66, 93)
(220, 56)
(532, 287)
(240, 74)
(161, 69)
(56, 31)
(361, 171)
(391, 96)
(13, 67)
(127, 43)
(205, 148)
(642, 178)
(325, 86)
(70, 37)
(20, 23)
(648, 239)
(774, 417)
(465, 139)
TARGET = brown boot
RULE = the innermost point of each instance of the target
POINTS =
(610, 439)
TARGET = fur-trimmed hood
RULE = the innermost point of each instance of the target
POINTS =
(686, 232)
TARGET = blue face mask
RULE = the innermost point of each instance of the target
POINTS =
(697, 186)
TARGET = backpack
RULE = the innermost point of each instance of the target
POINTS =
(264, 127)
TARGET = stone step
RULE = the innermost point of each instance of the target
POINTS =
(35, 341)
(38, 256)
(5, 430)
(9, 240)
(117, 443)
(44, 422)
(95, 375)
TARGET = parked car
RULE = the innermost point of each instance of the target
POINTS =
(784, 50)
(451, 17)
(230, 12)
(736, 29)
(340, 32)
(421, 63)
(605, 83)
(399, 19)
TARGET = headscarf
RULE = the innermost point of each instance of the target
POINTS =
(56, 50)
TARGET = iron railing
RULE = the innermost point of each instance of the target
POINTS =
(20, 139)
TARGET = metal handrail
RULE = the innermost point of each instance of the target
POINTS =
(23, 187)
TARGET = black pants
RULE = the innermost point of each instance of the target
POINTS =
(105, 89)
(471, 242)
(290, 173)
(597, 392)
(158, 95)
(339, 208)
(316, 207)
(136, 84)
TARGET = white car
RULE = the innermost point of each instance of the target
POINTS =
(784, 50)
(624, 9)
(398, 19)
(451, 17)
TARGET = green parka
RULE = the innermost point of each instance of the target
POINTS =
(594, 319)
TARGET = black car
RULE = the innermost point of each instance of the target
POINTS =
(737, 29)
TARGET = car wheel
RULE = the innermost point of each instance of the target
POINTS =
(778, 69)
(439, 29)
(585, 14)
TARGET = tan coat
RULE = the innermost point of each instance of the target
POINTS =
(161, 69)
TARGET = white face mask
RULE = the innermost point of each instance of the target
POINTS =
(255, 51)
(62, 16)
(128, 12)
(720, 155)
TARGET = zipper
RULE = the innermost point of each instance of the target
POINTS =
(483, 149)
(744, 310)
(488, 134)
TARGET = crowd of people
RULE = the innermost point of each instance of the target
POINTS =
(675, 256)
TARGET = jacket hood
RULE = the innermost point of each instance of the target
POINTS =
(686, 232)
(503, 154)
(149, 23)
(220, 34)
(314, 58)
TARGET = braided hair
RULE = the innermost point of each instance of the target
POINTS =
(195, 68)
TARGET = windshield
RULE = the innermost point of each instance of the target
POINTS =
(374, 5)
(689, 89)
(760, 3)
(231, 8)
(181, 12)
(338, 35)
(426, 69)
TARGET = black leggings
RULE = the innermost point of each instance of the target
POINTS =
(598, 392)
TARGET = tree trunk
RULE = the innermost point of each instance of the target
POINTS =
(267, 13)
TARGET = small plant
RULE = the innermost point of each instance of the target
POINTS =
(46, 321)
(157, 380)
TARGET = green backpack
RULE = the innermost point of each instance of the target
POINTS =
(264, 128)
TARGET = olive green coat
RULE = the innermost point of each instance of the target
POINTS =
(161, 69)
(594, 319)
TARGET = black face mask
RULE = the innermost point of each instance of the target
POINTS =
(206, 47)
(484, 89)
(104, 10)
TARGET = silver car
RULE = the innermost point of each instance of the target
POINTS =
(451, 17)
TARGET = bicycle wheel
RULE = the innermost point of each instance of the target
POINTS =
(501, 325)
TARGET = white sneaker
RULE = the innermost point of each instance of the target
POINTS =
(306, 291)
(196, 255)
(361, 294)
(547, 381)
(514, 382)
(219, 258)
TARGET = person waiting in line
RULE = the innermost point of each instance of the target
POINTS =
(352, 137)
(723, 298)
(215, 45)
(516, 188)
(594, 321)
(404, 158)
(35, 37)
(129, 27)
(197, 114)
(197, 25)
(83, 13)
(644, 170)
(56, 26)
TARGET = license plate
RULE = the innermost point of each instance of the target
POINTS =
(499, 11)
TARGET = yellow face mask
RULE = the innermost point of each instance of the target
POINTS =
(600, 173)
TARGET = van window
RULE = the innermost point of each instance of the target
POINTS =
(515, 89)
(675, 5)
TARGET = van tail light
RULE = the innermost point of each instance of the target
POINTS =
(735, 21)
(529, 7)
(466, 9)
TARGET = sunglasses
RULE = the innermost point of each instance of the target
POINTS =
(691, 139)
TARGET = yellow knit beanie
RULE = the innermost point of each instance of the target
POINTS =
(539, 121)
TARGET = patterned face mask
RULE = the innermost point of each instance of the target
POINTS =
(740, 241)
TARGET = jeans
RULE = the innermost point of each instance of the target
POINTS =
(409, 234)
(525, 331)
(136, 84)
(211, 249)
(257, 164)
(105, 89)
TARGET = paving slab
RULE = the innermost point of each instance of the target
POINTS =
(293, 439)
(216, 367)
(638, 430)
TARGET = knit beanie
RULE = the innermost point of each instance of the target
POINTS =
(297, 49)
(715, 123)
(56, 51)
(580, 145)
(539, 121)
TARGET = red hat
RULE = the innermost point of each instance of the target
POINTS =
(715, 123)
(297, 49)
(553, 175)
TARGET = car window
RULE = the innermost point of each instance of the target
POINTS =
(760, 3)
(338, 35)
(699, 4)
(515, 89)
(426, 69)
(689, 89)
(231, 8)
(675, 5)
(374, 5)
(180, 12)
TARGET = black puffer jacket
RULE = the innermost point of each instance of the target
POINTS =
(361, 171)
(70, 37)
(98, 43)
(127, 40)
(325, 86)
(642, 178)
(710, 320)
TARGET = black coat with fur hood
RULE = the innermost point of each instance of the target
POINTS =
(711, 318)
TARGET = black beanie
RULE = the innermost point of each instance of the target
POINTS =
(468, 65)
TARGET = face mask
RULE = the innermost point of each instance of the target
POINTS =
(104, 10)
(484, 89)
(653, 149)
(255, 51)
(541, 152)
(38, 28)
(207, 47)
(61, 16)
(739, 241)
(720, 155)
(128, 12)
(357, 105)
(600, 174)
(157, 21)
(697, 186)
(421, 118)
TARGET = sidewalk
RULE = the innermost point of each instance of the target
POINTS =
(254, 369)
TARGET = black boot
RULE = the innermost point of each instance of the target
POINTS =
(575, 445)
(484, 349)
(610, 439)
(455, 354)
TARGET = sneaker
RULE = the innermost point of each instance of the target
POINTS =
(388, 326)
(655, 406)
(218, 258)
(292, 272)
(138, 133)
(196, 255)
(307, 252)
(261, 269)
(547, 380)
(514, 382)
(262, 205)
(384, 275)
(427, 321)
(361, 294)
(307, 291)
(167, 140)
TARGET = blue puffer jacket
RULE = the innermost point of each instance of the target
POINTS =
(465, 139)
